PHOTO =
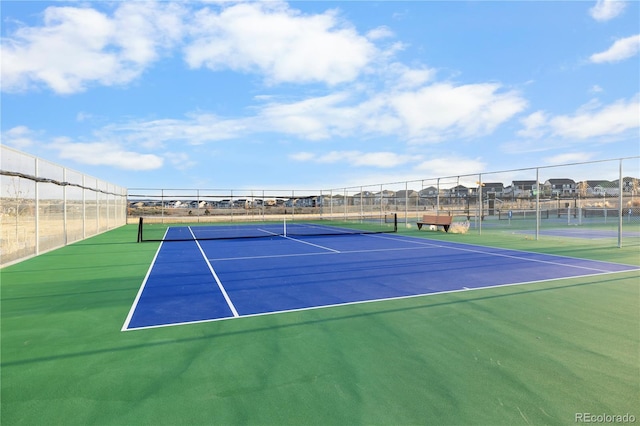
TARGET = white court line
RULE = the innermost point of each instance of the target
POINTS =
(144, 283)
(324, 253)
(422, 245)
(428, 245)
(358, 302)
(215, 276)
(431, 244)
(311, 244)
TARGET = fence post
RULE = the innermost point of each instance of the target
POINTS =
(438, 197)
(64, 207)
(84, 208)
(620, 198)
(344, 201)
(331, 204)
(538, 204)
(406, 203)
(381, 200)
(480, 202)
(37, 212)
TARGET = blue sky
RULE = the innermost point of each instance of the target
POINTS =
(318, 94)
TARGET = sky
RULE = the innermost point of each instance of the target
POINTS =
(318, 94)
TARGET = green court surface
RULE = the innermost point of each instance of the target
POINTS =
(539, 353)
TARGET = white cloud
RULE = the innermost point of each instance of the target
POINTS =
(605, 10)
(302, 156)
(429, 113)
(105, 154)
(620, 50)
(313, 118)
(380, 33)
(444, 166)
(196, 129)
(440, 111)
(77, 46)
(19, 137)
(180, 160)
(281, 43)
(570, 157)
(432, 113)
(143, 28)
(614, 119)
(533, 125)
(381, 159)
(404, 77)
(591, 120)
(356, 158)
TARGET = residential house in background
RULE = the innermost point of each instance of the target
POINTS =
(593, 188)
(385, 197)
(407, 197)
(523, 188)
(364, 198)
(560, 187)
(459, 191)
(429, 192)
(495, 188)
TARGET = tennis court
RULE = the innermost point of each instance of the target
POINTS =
(563, 343)
(230, 274)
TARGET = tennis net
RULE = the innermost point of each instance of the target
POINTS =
(161, 229)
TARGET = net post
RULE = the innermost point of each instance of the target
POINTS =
(284, 229)
(140, 230)
(395, 222)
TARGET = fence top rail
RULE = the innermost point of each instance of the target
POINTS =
(637, 157)
(57, 182)
(228, 190)
(67, 169)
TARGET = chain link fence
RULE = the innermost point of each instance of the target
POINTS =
(46, 206)
(599, 199)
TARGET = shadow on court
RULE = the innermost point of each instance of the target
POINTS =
(349, 316)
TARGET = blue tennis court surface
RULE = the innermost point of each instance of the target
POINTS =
(196, 281)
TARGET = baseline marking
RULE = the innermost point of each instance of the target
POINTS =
(421, 244)
(386, 299)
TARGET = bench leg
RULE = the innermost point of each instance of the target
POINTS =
(446, 228)
(419, 226)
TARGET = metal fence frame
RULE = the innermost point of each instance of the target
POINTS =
(478, 214)
(61, 206)
(405, 198)
(46, 206)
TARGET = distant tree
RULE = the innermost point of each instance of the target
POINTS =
(582, 189)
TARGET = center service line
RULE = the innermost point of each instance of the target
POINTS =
(300, 241)
(215, 276)
(311, 244)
